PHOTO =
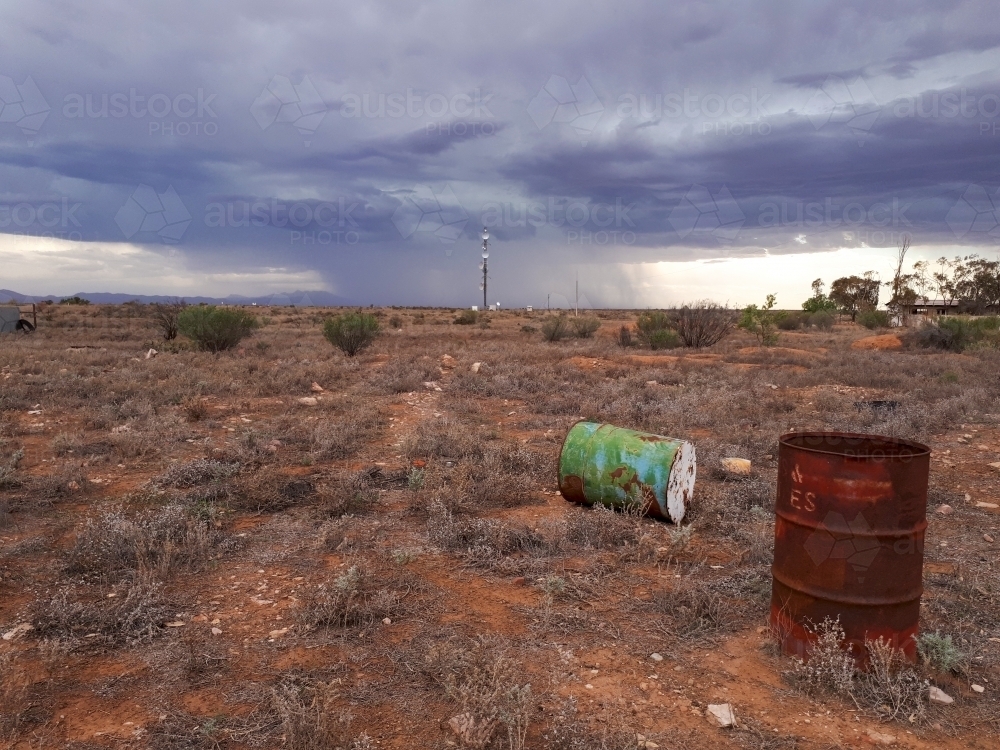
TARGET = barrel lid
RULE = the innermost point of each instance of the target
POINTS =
(854, 444)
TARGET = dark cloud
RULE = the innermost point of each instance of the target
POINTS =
(373, 141)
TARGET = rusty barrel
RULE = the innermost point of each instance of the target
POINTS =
(849, 539)
(614, 466)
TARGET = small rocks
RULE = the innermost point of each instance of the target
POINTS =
(277, 633)
(475, 367)
(317, 388)
(432, 385)
(720, 714)
(151, 353)
(216, 631)
(387, 621)
(988, 538)
(987, 506)
(738, 466)
(307, 401)
(978, 689)
(73, 486)
(175, 624)
(944, 510)
(937, 695)
(17, 631)
(880, 738)
(448, 362)
(656, 657)
(995, 465)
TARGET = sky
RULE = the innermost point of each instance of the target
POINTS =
(659, 153)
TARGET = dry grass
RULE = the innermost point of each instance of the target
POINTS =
(189, 482)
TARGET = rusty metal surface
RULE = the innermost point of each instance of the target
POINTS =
(601, 463)
(849, 538)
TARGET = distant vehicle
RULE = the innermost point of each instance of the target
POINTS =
(18, 319)
(529, 308)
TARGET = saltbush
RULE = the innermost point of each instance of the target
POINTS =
(351, 332)
(216, 329)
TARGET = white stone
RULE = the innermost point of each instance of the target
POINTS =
(736, 466)
(316, 388)
(216, 631)
(721, 714)
(656, 657)
(17, 631)
(937, 695)
(308, 401)
(979, 688)
(151, 353)
(475, 367)
(945, 510)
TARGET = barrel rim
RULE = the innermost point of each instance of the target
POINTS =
(913, 448)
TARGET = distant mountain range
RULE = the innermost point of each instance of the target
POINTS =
(298, 298)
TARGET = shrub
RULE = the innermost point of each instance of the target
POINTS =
(823, 320)
(585, 328)
(760, 321)
(395, 322)
(165, 317)
(702, 323)
(791, 321)
(216, 329)
(958, 334)
(940, 652)
(625, 337)
(664, 339)
(872, 319)
(351, 332)
(654, 330)
(74, 301)
(466, 318)
(555, 328)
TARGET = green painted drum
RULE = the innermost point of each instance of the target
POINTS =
(614, 466)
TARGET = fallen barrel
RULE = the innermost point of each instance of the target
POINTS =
(614, 466)
(850, 516)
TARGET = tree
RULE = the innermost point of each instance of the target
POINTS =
(902, 292)
(854, 293)
(351, 332)
(819, 302)
(978, 287)
(216, 329)
(165, 316)
(760, 321)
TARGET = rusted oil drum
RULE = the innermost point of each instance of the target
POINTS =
(601, 463)
(849, 539)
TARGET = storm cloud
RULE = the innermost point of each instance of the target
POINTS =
(361, 147)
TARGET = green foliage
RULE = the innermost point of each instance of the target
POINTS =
(555, 328)
(790, 321)
(761, 322)
(872, 319)
(74, 301)
(958, 334)
(351, 332)
(585, 328)
(216, 329)
(940, 652)
(466, 318)
(819, 302)
(853, 294)
(655, 331)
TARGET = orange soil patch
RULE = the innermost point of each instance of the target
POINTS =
(884, 342)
